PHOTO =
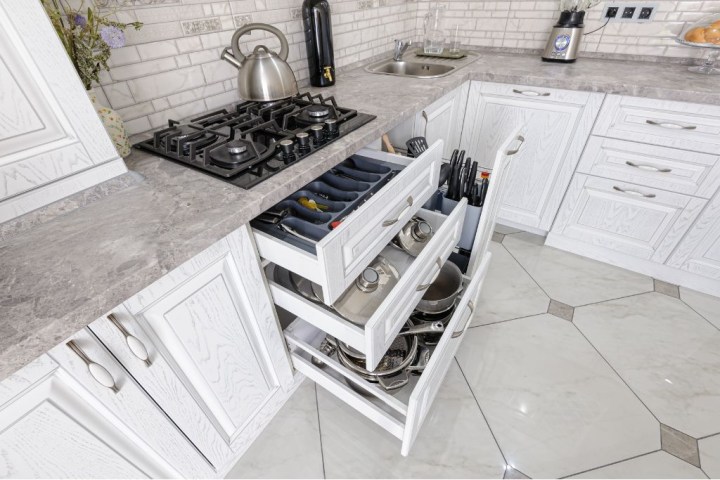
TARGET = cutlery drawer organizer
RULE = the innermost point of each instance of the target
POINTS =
(371, 211)
(375, 337)
(401, 414)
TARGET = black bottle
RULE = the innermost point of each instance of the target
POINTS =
(319, 43)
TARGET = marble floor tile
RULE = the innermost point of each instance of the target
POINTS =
(455, 441)
(706, 305)
(653, 465)
(572, 279)
(505, 230)
(710, 456)
(289, 447)
(666, 353)
(508, 291)
(679, 445)
(554, 405)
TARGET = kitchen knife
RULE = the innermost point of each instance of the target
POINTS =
(470, 180)
(483, 191)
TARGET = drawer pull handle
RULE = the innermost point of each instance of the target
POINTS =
(672, 125)
(520, 139)
(137, 348)
(425, 286)
(409, 201)
(531, 93)
(471, 307)
(645, 166)
(634, 192)
(97, 371)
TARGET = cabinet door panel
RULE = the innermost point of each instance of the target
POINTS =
(556, 131)
(443, 120)
(699, 250)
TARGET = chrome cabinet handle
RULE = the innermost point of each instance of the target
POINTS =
(425, 286)
(471, 307)
(634, 192)
(97, 371)
(137, 348)
(531, 93)
(672, 125)
(409, 201)
(646, 166)
(519, 138)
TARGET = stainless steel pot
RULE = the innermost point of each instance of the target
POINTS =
(263, 76)
(442, 292)
(414, 236)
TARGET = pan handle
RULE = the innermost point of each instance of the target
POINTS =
(425, 286)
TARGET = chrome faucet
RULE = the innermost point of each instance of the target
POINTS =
(400, 47)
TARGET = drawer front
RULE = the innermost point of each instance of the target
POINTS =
(431, 380)
(635, 220)
(538, 93)
(680, 171)
(381, 329)
(348, 249)
(687, 126)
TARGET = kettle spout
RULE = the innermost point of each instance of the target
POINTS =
(228, 57)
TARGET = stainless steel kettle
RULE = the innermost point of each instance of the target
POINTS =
(263, 76)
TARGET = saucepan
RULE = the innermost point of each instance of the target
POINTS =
(443, 291)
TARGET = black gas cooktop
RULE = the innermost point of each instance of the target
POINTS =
(256, 140)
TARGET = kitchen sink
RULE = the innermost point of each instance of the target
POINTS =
(411, 69)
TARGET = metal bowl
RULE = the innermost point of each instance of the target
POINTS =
(443, 291)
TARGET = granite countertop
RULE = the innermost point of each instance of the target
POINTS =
(59, 276)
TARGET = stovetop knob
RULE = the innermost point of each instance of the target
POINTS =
(287, 147)
(303, 141)
(331, 128)
(318, 134)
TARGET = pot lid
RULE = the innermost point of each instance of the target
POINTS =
(364, 296)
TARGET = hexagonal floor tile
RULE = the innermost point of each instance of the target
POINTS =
(710, 456)
(571, 279)
(653, 465)
(455, 441)
(508, 291)
(706, 305)
(554, 405)
(666, 353)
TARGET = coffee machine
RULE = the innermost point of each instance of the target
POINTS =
(564, 41)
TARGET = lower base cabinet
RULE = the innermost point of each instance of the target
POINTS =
(699, 252)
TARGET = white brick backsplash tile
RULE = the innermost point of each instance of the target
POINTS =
(101, 97)
(160, 104)
(201, 25)
(153, 33)
(194, 94)
(182, 60)
(138, 125)
(118, 94)
(127, 72)
(246, 6)
(153, 50)
(123, 56)
(221, 100)
(188, 44)
(218, 71)
(163, 84)
(160, 119)
(204, 56)
(137, 110)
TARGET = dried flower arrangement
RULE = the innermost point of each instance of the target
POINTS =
(87, 36)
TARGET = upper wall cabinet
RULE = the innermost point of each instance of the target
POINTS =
(52, 143)
(558, 123)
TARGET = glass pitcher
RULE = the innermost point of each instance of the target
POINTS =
(434, 34)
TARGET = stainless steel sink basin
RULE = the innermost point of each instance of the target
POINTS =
(411, 69)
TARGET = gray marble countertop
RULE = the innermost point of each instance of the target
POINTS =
(58, 276)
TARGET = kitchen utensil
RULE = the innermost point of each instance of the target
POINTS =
(319, 42)
(444, 318)
(455, 40)
(444, 174)
(388, 145)
(327, 347)
(484, 185)
(416, 146)
(263, 76)
(443, 291)
(312, 204)
(434, 40)
(273, 217)
(434, 327)
(295, 233)
(470, 180)
(414, 235)
(364, 296)
(423, 357)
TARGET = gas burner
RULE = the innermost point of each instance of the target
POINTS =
(236, 152)
(179, 139)
(314, 114)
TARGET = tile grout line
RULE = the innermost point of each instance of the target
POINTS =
(613, 463)
(700, 314)
(502, 454)
(507, 320)
(322, 450)
(525, 270)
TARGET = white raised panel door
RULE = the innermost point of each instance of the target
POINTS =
(557, 124)
(52, 142)
(213, 322)
(635, 220)
(699, 250)
(443, 120)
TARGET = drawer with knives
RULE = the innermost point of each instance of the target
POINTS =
(670, 169)
(369, 313)
(331, 229)
(687, 126)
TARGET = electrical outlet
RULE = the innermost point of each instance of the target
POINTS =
(630, 12)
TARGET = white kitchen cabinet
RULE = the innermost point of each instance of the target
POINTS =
(52, 143)
(443, 120)
(213, 340)
(699, 250)
(635, 220)
(558, 123)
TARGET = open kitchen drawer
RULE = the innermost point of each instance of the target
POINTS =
(401, 415)
(343, 253)
(416, 274)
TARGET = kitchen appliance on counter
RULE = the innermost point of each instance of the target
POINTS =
(319, 42)
(564, 41)
(255, 140)
(263, 76)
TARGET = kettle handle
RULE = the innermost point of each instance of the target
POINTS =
(284, 49)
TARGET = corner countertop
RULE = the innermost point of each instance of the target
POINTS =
(59, 276)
